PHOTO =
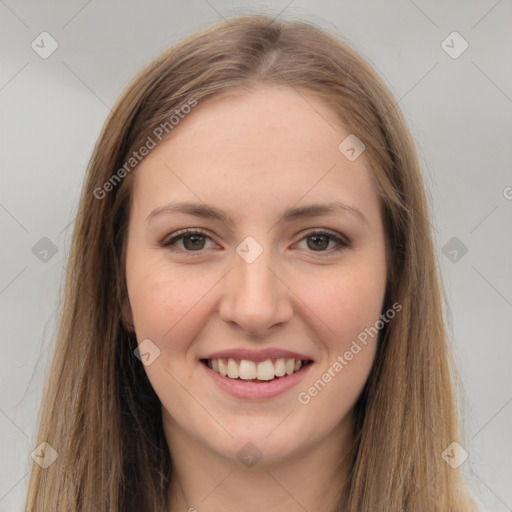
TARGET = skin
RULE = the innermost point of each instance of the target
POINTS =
(254, 154)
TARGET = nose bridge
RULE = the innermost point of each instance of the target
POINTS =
(254, 277)
(255, 298)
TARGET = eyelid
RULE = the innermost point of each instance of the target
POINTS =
(342, 240)
(323, 231)
(182, 233)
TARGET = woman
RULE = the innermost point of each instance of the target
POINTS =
(252, 316)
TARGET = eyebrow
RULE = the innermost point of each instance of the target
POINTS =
(211, 212)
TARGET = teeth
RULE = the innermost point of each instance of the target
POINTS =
(265, 370)
(233, 372)
(251, 370)
(280, 368)
(223, 368)
(247, 370)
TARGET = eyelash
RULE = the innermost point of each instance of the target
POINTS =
(342, 244)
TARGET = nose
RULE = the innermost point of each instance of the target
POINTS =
(255, 297)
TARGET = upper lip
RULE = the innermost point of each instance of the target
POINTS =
(257, 355)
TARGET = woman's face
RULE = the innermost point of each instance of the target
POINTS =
(269, 281)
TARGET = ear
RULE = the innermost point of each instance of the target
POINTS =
(127, 316)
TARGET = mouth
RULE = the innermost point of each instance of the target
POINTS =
(246, 370)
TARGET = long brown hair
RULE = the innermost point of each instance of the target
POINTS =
(100, 412)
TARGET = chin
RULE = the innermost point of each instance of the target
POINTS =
(265, 439)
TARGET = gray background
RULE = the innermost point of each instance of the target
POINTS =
(459, 110)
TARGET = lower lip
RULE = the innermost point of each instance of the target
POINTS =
(257, 390)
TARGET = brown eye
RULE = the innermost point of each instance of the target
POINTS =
(195, 242)
(319, 241)
(192, 241)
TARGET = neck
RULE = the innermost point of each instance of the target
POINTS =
(205, 481)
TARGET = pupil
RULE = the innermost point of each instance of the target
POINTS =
(321, 245)
(194, 239)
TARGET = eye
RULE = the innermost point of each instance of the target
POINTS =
(194, 241)
(318, 241)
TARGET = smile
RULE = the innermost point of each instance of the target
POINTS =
(247, 379)
(255, 371)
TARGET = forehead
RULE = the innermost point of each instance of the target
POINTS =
(287, 119)
(273, 144)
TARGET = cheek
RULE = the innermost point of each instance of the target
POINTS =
(350, 302)
(170, 307)
(350, 306)
(159, 300)
(165, 310)
(153, 306)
